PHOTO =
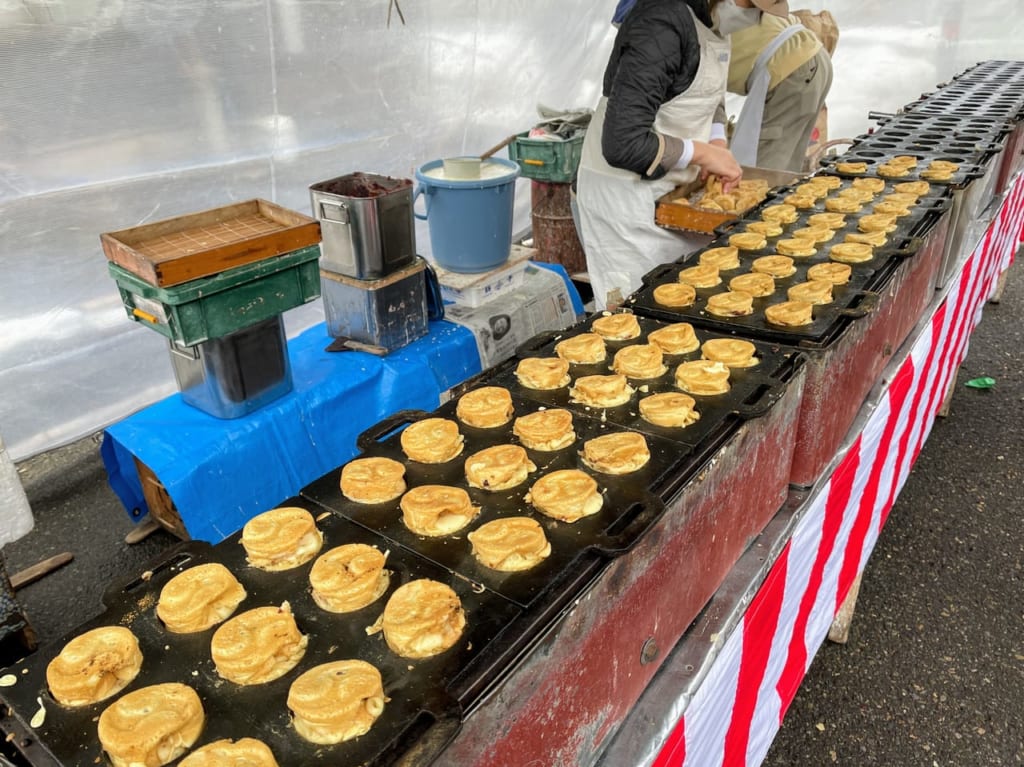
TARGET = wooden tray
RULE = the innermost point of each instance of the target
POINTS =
(673, 211)
(185, 248)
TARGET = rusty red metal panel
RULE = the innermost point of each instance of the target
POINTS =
(840, 377)
(573, 690)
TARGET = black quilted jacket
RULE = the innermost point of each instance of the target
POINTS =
(654, 59)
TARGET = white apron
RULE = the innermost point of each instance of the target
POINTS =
(748, 126)
(616, 207)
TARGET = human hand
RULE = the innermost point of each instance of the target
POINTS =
(716, 159)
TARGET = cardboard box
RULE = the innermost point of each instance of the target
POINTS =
(477, 289)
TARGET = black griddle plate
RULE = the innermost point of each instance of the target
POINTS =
(418, 721)
(850, 301)
(628, 511)
(752, 392)
(970, 167)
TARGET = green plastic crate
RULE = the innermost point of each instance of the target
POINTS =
(211, 307)
(543, 160)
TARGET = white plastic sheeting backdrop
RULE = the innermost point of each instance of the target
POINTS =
(114, 113)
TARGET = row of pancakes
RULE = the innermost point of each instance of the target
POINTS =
(803, 242)
(901, 166)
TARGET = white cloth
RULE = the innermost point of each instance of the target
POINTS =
(15, 515)
(616, 206)
(748, 126)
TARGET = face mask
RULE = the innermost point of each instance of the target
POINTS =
(731, 18)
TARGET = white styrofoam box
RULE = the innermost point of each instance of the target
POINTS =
(477, 289)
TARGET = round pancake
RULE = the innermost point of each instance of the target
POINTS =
(851, 252)
(485, 408)
(795, 247)
(510, 544)
(891, 170)
(801, 201)
(676, 338)
(675, 295)
(372, 480)
(498, 467)
(876, 222)
(732, 303)
(829, 182)
(336, 701)
(432, 440)
(545, 430)
(543, 373)
(779, 214)
(566, 495)
(701, 276)
(349, 577)
(747, 241)
(842, 205)
(423, 618)
(817, 292)
(767, 228)
(836, 273)
(774, 266)
(151, 726)
(813, 233)
(582, 349)
(851, 167)
(244, 752)
(874, 239)
(857, 193)
(93, 666)
(601, 390)
(890, 209)
(789, 314)
(756, 284)
(198, 598)
(873, 185)
(258, 646)
(703, 377)
(639, 361)
(621, 452)
(281, 539)
(830, 220)
(670, 409)
(621, 326)
(723, 258)
(916, 188)
(435, 510)
(731, 352)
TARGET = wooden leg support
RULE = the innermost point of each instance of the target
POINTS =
(839, 631)
(997, 294)
(947, 400)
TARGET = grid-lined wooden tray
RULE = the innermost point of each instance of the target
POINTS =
(187, 247)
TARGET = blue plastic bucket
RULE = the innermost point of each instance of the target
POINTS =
(470, 220)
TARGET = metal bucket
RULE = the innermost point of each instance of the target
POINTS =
(366, 224)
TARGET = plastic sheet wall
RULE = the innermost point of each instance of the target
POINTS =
(118, 112)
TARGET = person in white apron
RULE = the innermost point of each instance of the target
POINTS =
(785, 72)
(675, 136)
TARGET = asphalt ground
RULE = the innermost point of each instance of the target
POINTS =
(933, 671)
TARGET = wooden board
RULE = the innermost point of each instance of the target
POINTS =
(184, 248)
(673, 210)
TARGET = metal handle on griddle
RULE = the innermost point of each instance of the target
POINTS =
(727, 226)
(630, 527)
(656, 274)
(180, 554)
(768, 392)
(868, 303)
(387, 426)
(912, 245)
(879, 116)
(533, 344)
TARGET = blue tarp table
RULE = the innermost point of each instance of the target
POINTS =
(221, 473)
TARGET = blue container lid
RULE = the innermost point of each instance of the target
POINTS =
(494, 171)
